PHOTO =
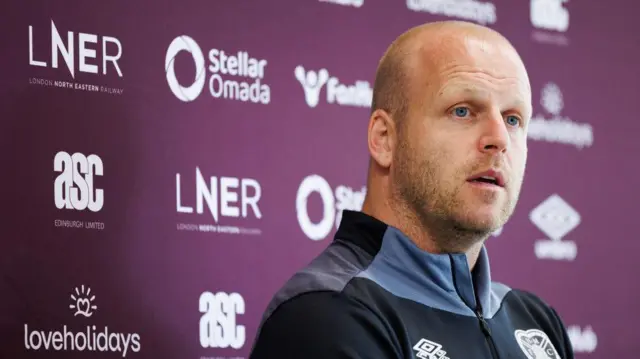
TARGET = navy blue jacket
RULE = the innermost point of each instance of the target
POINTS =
(372, 293)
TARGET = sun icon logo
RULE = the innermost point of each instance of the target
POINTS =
(551, 98)
(82, 302)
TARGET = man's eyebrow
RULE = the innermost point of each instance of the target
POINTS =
(461, 88)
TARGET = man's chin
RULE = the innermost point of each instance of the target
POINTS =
(480, 223)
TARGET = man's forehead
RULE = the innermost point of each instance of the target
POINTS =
(435, 61)
(469, 51)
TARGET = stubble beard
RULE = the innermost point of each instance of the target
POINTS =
(436, 203)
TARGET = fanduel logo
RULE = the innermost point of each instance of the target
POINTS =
(346, 198)
(235, 76)
(74, 187)
(555, 218)
(218, 324)
(549, 15)
(481, 12)
(221, 196)
(354, 3)
(85, 52)
(359, 94)
(90, 339)
(583, 341)
(557, 128)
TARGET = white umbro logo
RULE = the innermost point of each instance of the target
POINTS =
(555, 217)
(426, 349)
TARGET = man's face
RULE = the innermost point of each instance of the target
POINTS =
(468, 116)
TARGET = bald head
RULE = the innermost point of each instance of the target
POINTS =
(451, 104)
(414, 56)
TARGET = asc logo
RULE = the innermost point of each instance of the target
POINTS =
(74, 187)
(218, 328)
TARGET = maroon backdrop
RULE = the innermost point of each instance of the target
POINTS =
(168, 165)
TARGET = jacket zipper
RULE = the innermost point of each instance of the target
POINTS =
(487, 332)
(478, 311)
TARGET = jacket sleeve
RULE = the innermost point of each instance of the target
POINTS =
(567, 349)
(323, 325)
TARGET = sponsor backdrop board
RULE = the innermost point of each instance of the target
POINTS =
(167, 166)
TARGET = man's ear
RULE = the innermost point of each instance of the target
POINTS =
(382, 138)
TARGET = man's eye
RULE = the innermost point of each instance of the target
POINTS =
(461, 111)
(513, 120)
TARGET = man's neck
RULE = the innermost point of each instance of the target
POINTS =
(411, 226)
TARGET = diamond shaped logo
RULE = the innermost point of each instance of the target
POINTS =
(555, 217)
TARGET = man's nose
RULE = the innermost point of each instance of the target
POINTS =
(495, 135)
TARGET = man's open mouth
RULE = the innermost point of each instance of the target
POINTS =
(490, 177)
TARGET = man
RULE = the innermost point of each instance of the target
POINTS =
(408, 277)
